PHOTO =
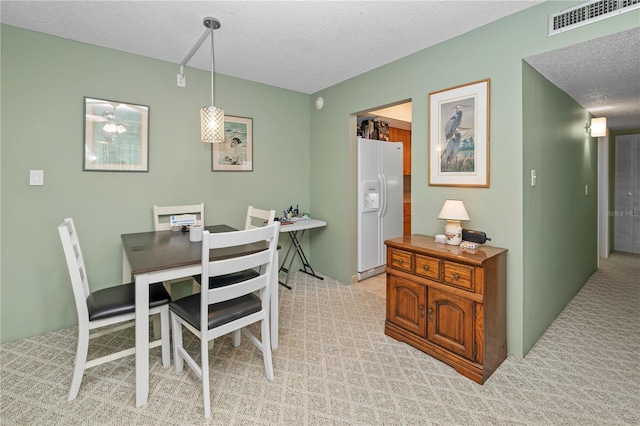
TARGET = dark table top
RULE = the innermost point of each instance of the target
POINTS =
(158, 250)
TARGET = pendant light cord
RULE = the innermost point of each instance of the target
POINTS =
(212, 69)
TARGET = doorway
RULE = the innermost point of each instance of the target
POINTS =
(626, 214)
(395, 126)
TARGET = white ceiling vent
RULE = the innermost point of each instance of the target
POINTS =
(587, 13)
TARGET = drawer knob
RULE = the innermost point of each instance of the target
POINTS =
(425, 267)
(430, 319)
(456, 276)
(399, 261)
(421, 307)
(421, 314)
(429, 310)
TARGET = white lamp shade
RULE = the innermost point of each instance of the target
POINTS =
(453, 210)
(212, 124)
(598, 127)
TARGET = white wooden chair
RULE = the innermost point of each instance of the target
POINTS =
(229, 308)
(160, 212)
(106, 307)
(257, 218)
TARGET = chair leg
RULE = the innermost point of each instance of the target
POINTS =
(80, 361)
(266, 348)
(177, 342)
(235, 337)
(157, 327)
(204, 361)
(164, 330)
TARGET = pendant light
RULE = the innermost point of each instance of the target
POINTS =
(211, 117)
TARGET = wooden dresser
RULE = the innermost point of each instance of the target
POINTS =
(448, 302)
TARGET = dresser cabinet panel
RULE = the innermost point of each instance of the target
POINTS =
(448, 302)
(406, 305)
(402, 260)
(451, 322)
(428, 267)
(458, 275)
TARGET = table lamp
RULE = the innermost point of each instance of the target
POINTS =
(453, 211)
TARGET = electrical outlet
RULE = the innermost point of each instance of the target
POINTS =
(182, 80)
(534, 177)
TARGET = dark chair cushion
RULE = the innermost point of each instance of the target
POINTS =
(121, 299)
(224, 280)
(219, 313)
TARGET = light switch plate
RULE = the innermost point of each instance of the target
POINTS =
(534, 177)
(36, 177)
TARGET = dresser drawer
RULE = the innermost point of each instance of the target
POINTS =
(401, 260)
(458, 275)
(428, 267)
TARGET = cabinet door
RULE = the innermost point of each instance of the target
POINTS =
(404, 136)
(406, 304)
(450, 322)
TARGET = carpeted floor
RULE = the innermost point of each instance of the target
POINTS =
(335, 366)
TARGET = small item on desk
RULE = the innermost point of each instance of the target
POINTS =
(195, 233)
(441, 238)
(306, 215)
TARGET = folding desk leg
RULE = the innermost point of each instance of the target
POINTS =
(284, 262)
(305, 263)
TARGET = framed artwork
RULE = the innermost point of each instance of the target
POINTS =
(459, 135)
(116, 136)
(235, 154)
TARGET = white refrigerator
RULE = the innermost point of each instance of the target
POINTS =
(380, 208)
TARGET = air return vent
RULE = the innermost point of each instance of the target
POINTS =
(587, 13)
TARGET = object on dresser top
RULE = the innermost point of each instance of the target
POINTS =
(474, 236)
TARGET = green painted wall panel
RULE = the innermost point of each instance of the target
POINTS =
(494, 51)
(43, 81)
(560, 221)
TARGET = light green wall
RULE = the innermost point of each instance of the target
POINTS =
(560, 259)
(43, 81)
(46, 78)
(494, 51)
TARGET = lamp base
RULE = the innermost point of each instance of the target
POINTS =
(453, 232)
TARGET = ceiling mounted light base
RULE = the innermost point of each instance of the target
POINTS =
(211, 23)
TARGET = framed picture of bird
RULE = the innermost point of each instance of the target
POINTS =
(459, 135)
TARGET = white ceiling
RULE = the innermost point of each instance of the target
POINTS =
(300, 45)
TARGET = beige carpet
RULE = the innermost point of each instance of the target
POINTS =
(335, 366)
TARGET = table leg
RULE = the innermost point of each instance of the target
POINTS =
(306, 266)
(126, 269)
(142, 339)
(284, 261)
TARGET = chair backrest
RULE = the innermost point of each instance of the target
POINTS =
(75, 265)
(164, 211)
(262, 261)
(257, 218)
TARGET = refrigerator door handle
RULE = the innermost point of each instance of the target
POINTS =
(383, 193)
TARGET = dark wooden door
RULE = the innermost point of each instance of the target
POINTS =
(450, 322)
(406, 304)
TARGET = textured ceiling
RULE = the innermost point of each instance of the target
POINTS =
(308, 45)
(304, 46)
(602, 75)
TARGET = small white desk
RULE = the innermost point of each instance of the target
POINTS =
(299, 225)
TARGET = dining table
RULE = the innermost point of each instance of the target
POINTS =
(157, 256)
